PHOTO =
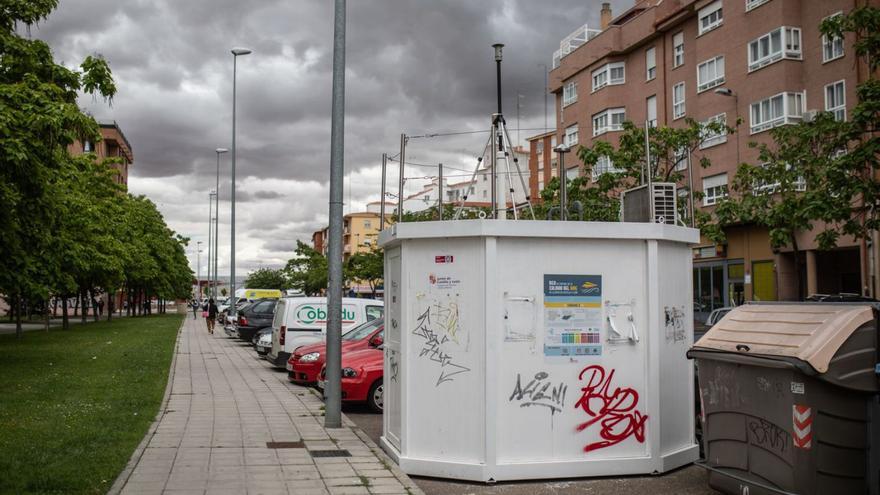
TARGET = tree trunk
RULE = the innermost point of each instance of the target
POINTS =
(76, 306)
(109, 306)
(94, 301)
(47, 314)
(797, 267)
(65, 323)
(18, 332)
(84, 310)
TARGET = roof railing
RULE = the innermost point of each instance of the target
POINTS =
(571, 42)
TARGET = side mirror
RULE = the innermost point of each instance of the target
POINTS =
(376, 341)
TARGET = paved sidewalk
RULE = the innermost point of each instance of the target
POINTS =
(223, 408)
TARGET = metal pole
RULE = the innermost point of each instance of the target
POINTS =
(545, 96)
(493, 159)
(210, 237)
(440, 195)
(563, 194)
(333, 393)
(649, 169)
(498, 83)
(199, 270)
(232, 308)
(382, 199)
(400, 179)
(690, 189)
(216, 225)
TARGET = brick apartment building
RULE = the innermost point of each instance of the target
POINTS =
(763, 61)
(113, 144)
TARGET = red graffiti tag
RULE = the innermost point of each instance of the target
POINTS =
(615, 412)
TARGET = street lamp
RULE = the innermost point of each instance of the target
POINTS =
(219, 152)
(729, 92)
(236, 52)
(562, 149)
(198, 269)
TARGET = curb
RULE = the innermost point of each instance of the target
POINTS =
(123, 477)
(392, 466)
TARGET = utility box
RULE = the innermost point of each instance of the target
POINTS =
(789, 399)
(536, 350)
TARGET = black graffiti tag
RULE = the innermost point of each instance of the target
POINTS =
(432, 349)
(538, 392)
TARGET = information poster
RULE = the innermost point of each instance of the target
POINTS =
(572, 315)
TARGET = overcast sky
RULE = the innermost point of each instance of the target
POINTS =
(412, 66)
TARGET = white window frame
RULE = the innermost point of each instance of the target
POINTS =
(603, 121)
(650, 63)
(572, 173)
(834, 45)
(681, 159)
(787, 48)
(789, 115)
(571, 135)
(758, 188)
(754, 4)
(604, 73)
(603, 165)
(651, 108)
(710, 138)
(714, 14)
(678, 49)
(717, 80)
(569, 93)
(838, 108)
(714, 189)
(678, 106)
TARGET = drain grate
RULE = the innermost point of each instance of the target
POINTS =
(330, 453)
(285, 445)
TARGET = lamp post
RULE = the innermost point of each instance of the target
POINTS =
(730, 92)
(562, 149)
(219, 152)
(212, 246)
(198, 270)
(236, 52)
(546, 73)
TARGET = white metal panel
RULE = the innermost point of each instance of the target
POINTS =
(391, 373)
(443, 348)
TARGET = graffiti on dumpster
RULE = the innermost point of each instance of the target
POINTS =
(768, 436)
(541, 392)
(393, 364)
(614, 410)
(432, 326)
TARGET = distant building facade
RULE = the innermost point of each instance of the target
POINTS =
(113, 144)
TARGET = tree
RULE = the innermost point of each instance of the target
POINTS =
(40, 118)
(307, 271)
(368, 267)
(818, 174)
(267, 278)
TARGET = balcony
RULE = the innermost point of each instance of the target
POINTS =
(574, 40)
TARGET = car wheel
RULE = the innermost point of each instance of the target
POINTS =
(375, 398)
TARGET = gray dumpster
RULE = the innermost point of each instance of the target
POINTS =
(789, 399)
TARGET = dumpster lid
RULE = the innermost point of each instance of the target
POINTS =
(809, 332)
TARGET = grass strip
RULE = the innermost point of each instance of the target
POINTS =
(74, 404)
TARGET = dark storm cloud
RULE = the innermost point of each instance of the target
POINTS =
(412, 66)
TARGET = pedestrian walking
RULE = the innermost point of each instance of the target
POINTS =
(195, 307)
(212, 315)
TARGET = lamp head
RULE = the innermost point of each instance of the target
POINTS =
(498, 47)
(562, 148)
(724, 91)
(241, 51)
(221, 150)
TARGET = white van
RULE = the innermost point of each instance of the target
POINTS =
(300, 321)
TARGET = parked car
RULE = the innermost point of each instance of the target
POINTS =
(303, 320)
(263, 341)
(361, 377)
(841, 297)
(257, 315)
(305, 364)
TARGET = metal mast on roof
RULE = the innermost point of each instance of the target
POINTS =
(500, 149)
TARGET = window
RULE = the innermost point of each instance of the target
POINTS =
(714, 138)
(710, 73)
(539, 149)
(651, 63)
(784, 108)
(570, 93)
(88, 147)
(681, 159)
(835, 99)
(710, 17)
(484, 194)
(603, 165)
(571, 135)
(678, 100)
(714, 189)
(651, 104)
(761, 186)
(374, 312)
(832, 48)
(571, 173)
(677, 50)
(609, 74)
(367, 224)
(783, 42)
(608, 120)
(752, 4)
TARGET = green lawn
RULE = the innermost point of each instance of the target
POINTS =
(74, 404)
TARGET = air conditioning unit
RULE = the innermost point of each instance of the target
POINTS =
(654, 203)
(809, 115)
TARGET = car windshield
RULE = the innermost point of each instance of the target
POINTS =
(358, 333)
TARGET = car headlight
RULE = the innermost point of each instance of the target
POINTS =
(310, 357)
(348, 372)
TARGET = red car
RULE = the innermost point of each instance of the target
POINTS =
(361, 377)
(306, 362)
